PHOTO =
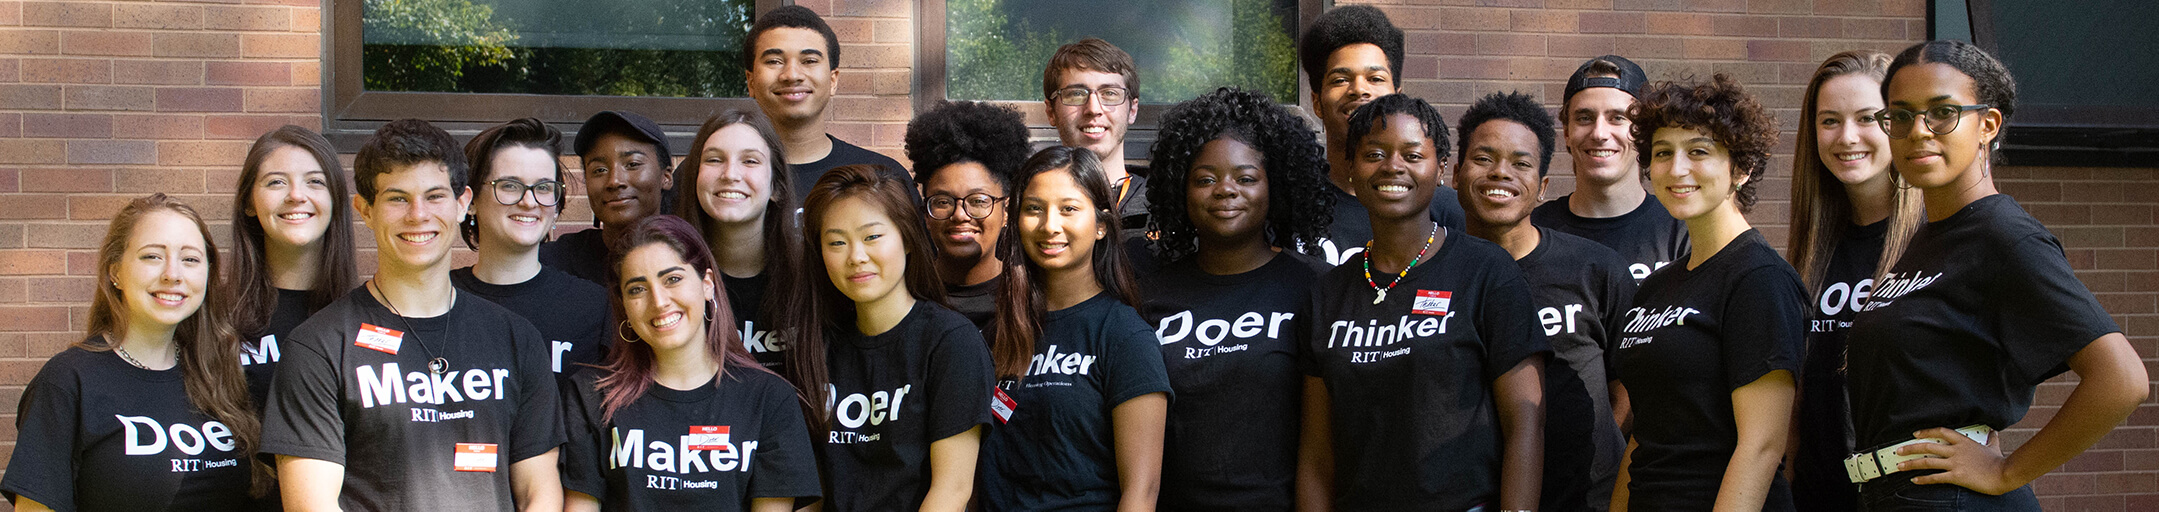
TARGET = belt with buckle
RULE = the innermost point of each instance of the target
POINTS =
(1870, 465)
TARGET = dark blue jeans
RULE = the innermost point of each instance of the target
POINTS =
(1896, 493)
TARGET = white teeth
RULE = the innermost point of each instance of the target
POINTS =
(417, 237)
(169, 296)
(1391, 188)
(1850, 157)
(1601, 153)
(524, 218)
(1683, 190)
(296, 216)
(732, 195)
(668, 321)
(1499, 192)
(1094, 129)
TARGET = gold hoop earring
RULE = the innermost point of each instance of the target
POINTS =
(623, 333)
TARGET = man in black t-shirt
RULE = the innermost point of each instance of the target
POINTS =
(793, 63)
(627, 177)
(407, 394)
(1352, 55)
(1609, 205)
(1579, 287)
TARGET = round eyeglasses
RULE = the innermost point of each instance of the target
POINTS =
(1941, 119)
(977, 205)
(509, 191)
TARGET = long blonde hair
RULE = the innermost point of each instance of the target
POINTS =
(1821, 210)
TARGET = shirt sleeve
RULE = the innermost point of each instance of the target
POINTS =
(1618, 298)
(1307, 328)
(1507, 321)
(46, 423)
(582, 453)
(786, 466)
(960, 377)
(2046, 314)
(1764, 322)
(538, 427)
(304, 417)
(1132, 361)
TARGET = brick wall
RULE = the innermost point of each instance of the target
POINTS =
(104, 101)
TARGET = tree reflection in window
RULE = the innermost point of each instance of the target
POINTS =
(659, 48)
(995, 49)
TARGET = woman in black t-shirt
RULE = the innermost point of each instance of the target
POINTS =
(1082, 396)
(151, 412)
(724, 433)
(1850, 217)
(964, 155)
(903, 394)
(1423, 393)
(1237, 180)
(1981, 308)
(742, 201)
(1708, 351)
(517, 195)
(292, 240)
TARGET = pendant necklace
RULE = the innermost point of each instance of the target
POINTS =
(1382, 292)
(435, 364)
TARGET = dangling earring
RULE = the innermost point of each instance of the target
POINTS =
(624, 333)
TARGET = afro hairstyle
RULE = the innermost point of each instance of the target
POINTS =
(1299, 206)
(968, 131)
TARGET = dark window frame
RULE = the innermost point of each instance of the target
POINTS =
(351, 112)
(930, 75)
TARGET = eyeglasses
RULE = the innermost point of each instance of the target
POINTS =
(1075, 96)
(509, 191)
(977, 205)
(1941, 119)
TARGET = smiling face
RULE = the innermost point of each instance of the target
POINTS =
(163, 272)
(1499, 176)
(664, 297)
(961, 236)
(1848, 135)
(526, 223)
(734, 176)
(291, 198)
(1356, 74)
(1690, 173)
(624, 178)
(863, 251)
(1397, 169)
(1934, 160)
(1226, 191)
(793, 79)
(1094, 126)
(1597, 137)
(413, 208)
(1059, 224)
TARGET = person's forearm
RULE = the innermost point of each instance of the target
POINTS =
(1138, 427)
(1315, 453)
(1622, 409)
(1747, 477)
(537, 483)
(2111, 383)
(1619, 485)
(952, 471)
(309, 485)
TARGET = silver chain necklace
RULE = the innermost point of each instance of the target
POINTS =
(436, 365)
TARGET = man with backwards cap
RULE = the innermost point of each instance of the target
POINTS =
(1609, 204)
(627, 175)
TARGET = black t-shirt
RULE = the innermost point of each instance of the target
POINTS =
(1692, 337)
(672, 449)
(582, 254)
(1825, 428)
(259, 352)
(1057, 452)
(1648, 238)
(571, 313)
(892, 395)
(746, 299)
(1231, 351)
(1981, 308)
(843, 153)
(977, 302)
(1582, 292)
(357, 391)
(1415, 425)
(1352, 225)
(96, 433)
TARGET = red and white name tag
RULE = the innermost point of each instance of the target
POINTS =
(1432, 302)
(475, 457)
(1002, 405)
(382, 339)
(708, 438)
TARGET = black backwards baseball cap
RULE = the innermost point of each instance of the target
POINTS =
(1630, 78)
(626, 123)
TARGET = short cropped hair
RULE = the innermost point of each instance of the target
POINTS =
(1344, 26)
(1517, 107)
(402, 143)
(1090, 54)
(791, 16)
(1376, 112)
(1719, 108)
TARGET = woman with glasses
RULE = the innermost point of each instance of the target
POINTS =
(1981, 308)
(964, 155)
(1237, 190)
(518, 191)
(742, 200)
(292, 244)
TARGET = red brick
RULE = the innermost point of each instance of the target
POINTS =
(1716, 5)
(1649, 47)
(22, 262)
(202, 153)
(1543, 21)
(10, 13)
(1771, 50)
(106, 97)
(95, 206)
(67, 14)
(38, 42)
(32, 151)
(67, 289)
(247, 73)
(1473, 68)
(310, 100)
(1577, 46)
(10, 127)
(1502, 43)
(1441, 43)
(2130, 215)
(121, 152)
(288, 46)
(892, 31)
(66, 71)
(1868, 28)
(157, 72)
(1645, 5)
(105, 42)
(1593, 22)
(2128, 259)
(1749, 26)
(1848, 7)
(309, 21)
(1589, 4)
(29, 97)
(68, 126)
(248, 18)
(84, 236)
(851, 30)
(870, 109)
(1780, 6)
(1904, 8)
(1809, 26)
(34, 207)
(1707, 49)
(170, 181)
(157, 16)
(199, 99)
(28, 318)
(306, 73)
(243, 126)
(81, 263)
(12, 292)
(1466, 19)
(1682, 24)
(197, 44)
(10, 70)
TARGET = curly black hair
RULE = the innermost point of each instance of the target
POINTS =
(1299, 207)
(1510, 106)
(1344, 26)
(1991, 82)
(968, 131)
(1719, 108)
(406, 142)
(1375, 114)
